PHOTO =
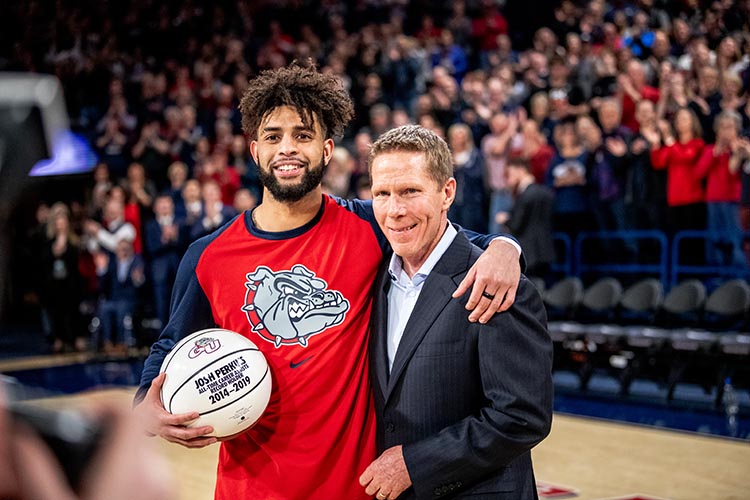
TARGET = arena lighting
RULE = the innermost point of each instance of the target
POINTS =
(34, 132)
(71, 154)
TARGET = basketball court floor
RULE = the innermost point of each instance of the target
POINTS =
(582, 458)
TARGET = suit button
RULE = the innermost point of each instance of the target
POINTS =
(438, 492)
(390, 427)
(458, 484)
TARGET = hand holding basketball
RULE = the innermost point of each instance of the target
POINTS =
(217, 378)
(173, 427)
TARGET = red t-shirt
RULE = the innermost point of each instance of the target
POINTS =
(304, 299)
(684, 182)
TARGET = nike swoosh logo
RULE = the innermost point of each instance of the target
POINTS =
(292, 364)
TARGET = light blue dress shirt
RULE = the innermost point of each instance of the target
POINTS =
(404, 291)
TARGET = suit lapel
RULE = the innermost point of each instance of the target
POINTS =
(436, 293)
(379, 340)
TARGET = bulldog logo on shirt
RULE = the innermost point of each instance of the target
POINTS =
(287, 307)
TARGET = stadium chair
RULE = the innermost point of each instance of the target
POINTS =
(563, 298)
(649, 347)
(641, 300)
(683, 303)
(602, 339)
(601, 298)
(600, 303)
(727, 305)
(561, 301)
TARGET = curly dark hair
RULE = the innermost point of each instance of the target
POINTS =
(313, 94)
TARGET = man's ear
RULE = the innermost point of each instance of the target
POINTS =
(327, 150)
(254, 151)
(449, 190)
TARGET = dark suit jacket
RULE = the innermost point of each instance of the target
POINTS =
(531, 223)
(466, 401)
(164, 257)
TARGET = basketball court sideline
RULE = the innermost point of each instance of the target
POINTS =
(593, 459)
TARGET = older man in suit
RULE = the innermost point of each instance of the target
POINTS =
(459, 405)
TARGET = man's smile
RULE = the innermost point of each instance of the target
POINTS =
(402, 230)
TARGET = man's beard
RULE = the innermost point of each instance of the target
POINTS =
(311, 178)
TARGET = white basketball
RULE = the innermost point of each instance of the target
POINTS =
(221, 375)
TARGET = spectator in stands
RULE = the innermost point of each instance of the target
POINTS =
(468, 209)
(731, 97)
(187, 137)
(609, 116)
(605, 168)
(177, 173)
(567, 176)
(444, 97)
(540, 113)
(401, 71)
(60, 293)
(495, 148)
(705, 100)
(448, 54)
(535, 150)
(98, 193)
(113, 229)
(645, 187)
(244, 199)
(216, 169)
(631, 88)
(152, 151)
(240, 160)
(118, 110)
(566, 99)
(719, 165)
(164, 248)
(605, 85)
(192, 201)
(460, 25)
(141, 190)
(530, 219)
(677, 148)
(215, 212)
(120, 278)
(111, 145)
(673, 93)
(337, 178)
(485, 29)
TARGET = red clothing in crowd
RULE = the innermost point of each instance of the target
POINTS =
(229, 182)
(133, 215)
(721, 184)
(628, 106)
(539, 161)
(487, 28)
(684, 184)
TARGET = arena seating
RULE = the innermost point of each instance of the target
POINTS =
(685, 336)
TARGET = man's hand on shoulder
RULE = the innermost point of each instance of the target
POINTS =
(495, 276)
(387, 477)
(157, 421)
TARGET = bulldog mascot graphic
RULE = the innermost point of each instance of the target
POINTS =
(287, 307)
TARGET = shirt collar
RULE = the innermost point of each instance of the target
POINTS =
(396, 266)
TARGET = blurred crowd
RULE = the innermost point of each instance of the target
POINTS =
(623, 115)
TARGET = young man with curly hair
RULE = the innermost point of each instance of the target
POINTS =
(294, 275)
